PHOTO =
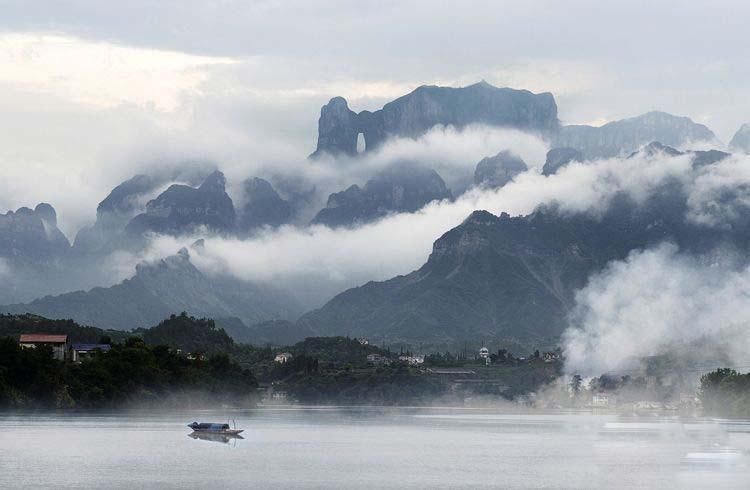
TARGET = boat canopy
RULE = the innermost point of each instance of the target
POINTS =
(209, 426)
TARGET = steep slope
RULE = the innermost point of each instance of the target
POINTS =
(182, 208)
(263, 206)
(741, 139)
(399, 188)
(627, 135)
(498, 170)
(31, 236)
(171, 285)
(414, 114)
(515, 277)
(557, 158)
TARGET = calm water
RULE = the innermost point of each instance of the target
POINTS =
(373, 448)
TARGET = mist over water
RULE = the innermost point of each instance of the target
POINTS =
(330, 447)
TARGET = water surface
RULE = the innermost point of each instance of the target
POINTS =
(328, 447)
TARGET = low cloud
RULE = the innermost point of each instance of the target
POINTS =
(658, 302)
(331, 260)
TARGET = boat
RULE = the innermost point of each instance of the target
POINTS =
(214, 428)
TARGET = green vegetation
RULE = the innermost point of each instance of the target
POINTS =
(15, 325)
(188, 334)
(189, 361)
(132, 373)
(725, 393)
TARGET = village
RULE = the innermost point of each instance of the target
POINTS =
(342, 370)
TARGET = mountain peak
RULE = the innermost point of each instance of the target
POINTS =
(215, 182)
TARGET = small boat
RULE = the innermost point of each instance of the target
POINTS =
(213, 428)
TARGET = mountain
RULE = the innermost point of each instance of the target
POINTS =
(414, 114)
(263, 206)
(516, 277)
(181, 209)
(113, 213)
(158, 289)
(557, 158)
(741, 139)
(31, 236)
(397, 189)
(628, 135)
(275, 332)
(498, 170)
(124, 202)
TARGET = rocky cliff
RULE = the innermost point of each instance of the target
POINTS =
(414, 114)
(557, 158)
(181, 209)
(741, 139)
(160, 288)
(399, 188)
(31, 235)
(262, 206)
(620, 138)
(498, 170)
(516, 277)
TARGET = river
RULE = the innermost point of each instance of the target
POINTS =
(329, 447)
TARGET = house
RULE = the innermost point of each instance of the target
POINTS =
(283, 357)
(484, 353)
(412, 360)
(551, 356)
(78, 352)
(363, 341)
(378, 359)
(603, 400)
(59, 343)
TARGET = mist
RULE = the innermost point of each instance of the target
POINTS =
(661, 302)
(326, 261)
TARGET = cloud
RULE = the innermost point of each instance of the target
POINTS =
(100, 73)
(331, 260)
(660, 301)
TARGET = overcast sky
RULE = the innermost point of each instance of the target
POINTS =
(91, 90)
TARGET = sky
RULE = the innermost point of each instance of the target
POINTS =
(91, 91)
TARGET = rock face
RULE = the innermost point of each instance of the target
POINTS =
(113, 213)
(741, 139)
(516, 277)
(122, 204)
(700, 158)
(499, 170)
(181, 209)
(31, 235)
(628, 135)
(262, 206)
(400, 188)
(171, 285)
(414, 114)
(557, 158)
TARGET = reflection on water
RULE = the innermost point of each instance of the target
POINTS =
(214, 437)
(329, 447)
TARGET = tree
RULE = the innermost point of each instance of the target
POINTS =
(575, 384)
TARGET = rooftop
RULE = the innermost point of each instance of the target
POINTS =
(90, 347)
(42, 338)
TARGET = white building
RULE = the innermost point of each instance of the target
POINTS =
(412, 360)
(283, 357)
(484, 353)
(603, 400)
